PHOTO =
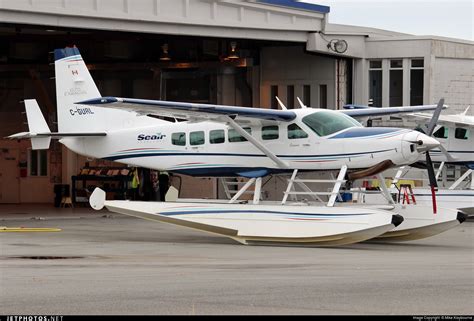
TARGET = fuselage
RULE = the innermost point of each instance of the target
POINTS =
(456, 135)
(315, 140)
(458, 141)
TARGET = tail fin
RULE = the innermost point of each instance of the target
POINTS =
(39, 131)
(74, 83)
(37, 124)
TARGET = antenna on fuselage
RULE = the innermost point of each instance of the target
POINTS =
(303, 106)
(283, 107)
(465, 112)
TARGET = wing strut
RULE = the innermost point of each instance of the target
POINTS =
(256, 143)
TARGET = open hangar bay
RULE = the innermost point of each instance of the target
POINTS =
(103, 263)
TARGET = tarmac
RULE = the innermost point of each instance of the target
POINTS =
(103, 263)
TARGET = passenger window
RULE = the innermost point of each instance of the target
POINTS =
(196, 138)
(295, 132)
(216, 136)
(178, 139)
(461, 133)
(234, 136)
(270, 132)
(442, 132)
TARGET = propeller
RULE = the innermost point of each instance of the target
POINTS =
(434, 119)
(429, 163)
(421, 146)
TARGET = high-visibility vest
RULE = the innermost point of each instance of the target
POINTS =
(135, 179)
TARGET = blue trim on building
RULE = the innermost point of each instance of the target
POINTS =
(297, 5)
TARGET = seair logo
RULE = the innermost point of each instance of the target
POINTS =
(81, 111)
(157, 136)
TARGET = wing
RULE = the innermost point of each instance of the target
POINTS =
(447, 120)
(189, 110)
(365, 111)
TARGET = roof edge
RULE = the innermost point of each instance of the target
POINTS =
(296, 5)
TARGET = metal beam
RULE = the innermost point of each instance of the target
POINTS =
(256, 143)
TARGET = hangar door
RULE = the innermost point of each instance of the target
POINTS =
(9, 179)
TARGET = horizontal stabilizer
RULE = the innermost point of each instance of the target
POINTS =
(56, 135)
(43, 140)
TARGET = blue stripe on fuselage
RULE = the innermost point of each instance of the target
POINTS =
(139, 154)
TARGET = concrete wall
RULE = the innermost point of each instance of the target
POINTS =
(454, 80)
(452, 64)
(283, 66)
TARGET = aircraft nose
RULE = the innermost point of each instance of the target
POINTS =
(426, 143)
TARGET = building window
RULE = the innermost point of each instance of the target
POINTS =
(396, 83)
(38, 163)
(295, 132)
(323, 96)
(216, 136)
(235, 137)
(290, 97)
(307, 95)
(375, 83)
(270, 132)
(461, 133)
(178, 139)
(273, 94)
(196, 138)
(416, 82)
(417, 63)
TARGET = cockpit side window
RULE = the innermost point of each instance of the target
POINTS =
(295, 132)
(442, 132)
(325, 123)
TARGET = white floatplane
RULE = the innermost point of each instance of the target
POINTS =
(234, 141)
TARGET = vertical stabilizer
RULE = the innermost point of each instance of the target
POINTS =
(37, 125)
(74, 83)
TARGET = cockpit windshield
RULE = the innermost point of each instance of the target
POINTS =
(326, 123)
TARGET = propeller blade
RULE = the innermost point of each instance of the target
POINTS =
(431, 172)
(433, 181)
(434, 119)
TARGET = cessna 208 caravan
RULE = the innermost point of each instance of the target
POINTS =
(234, 141)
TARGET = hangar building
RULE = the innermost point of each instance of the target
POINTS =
(233, 52)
